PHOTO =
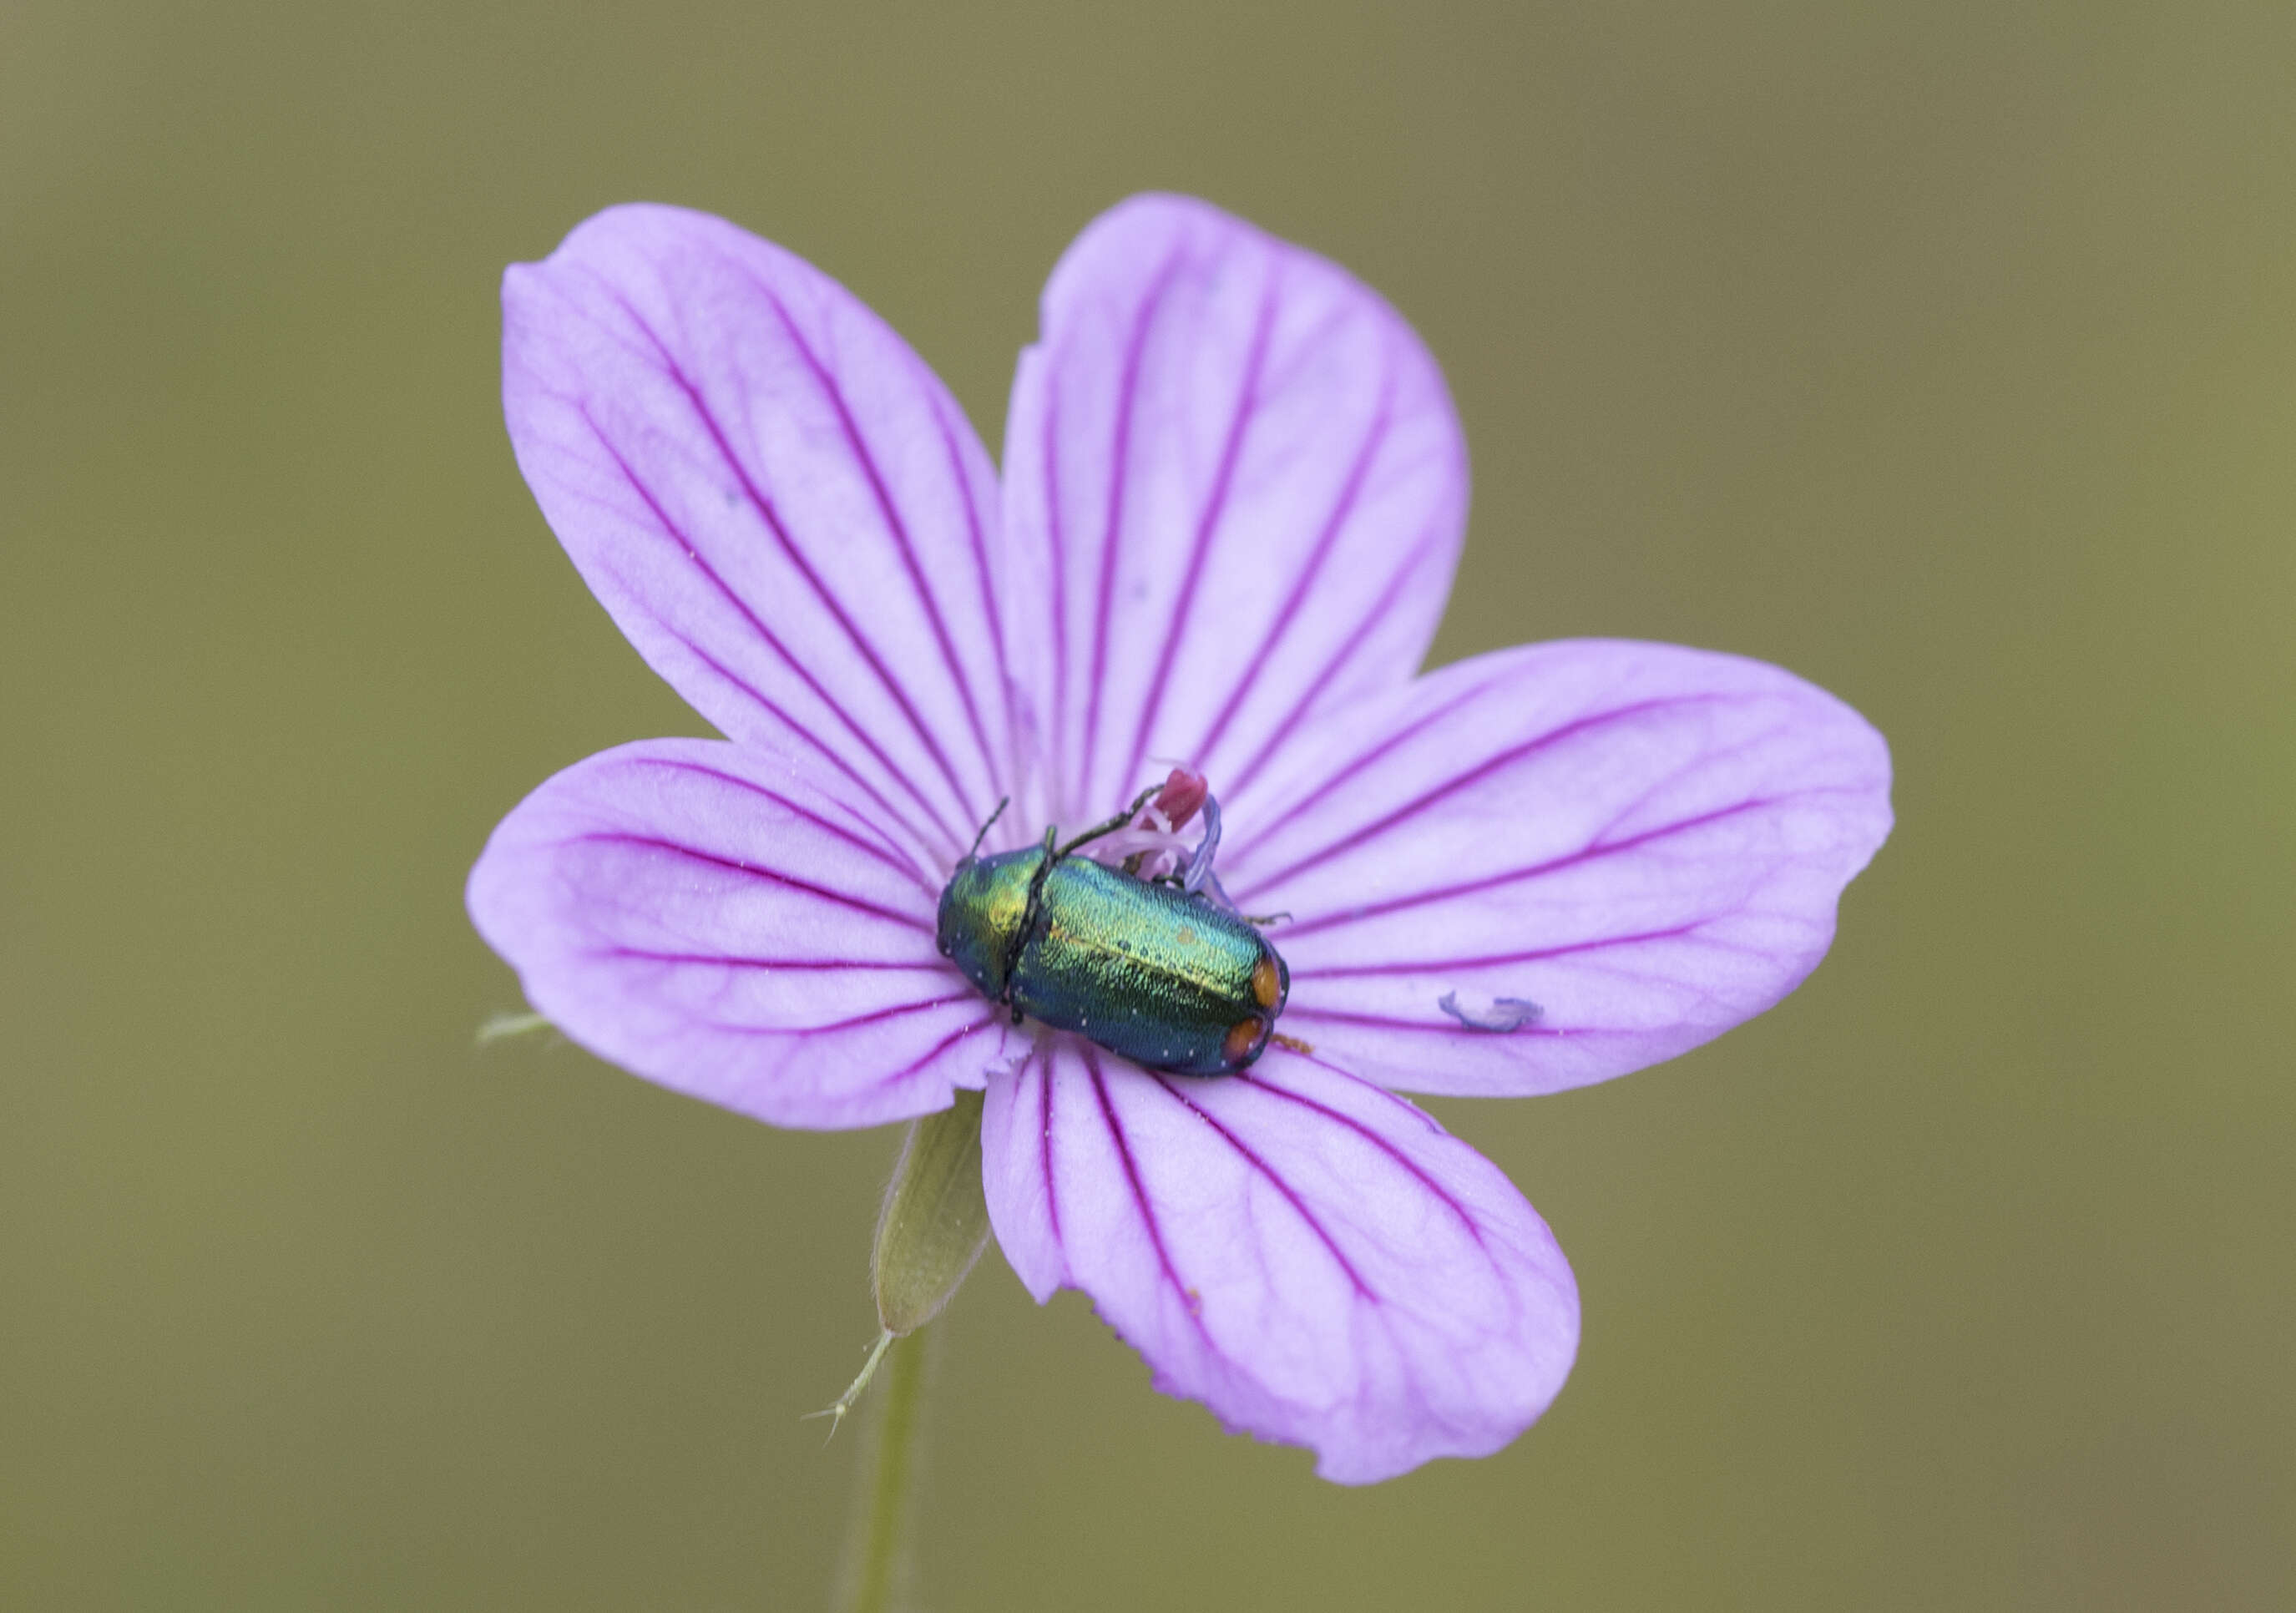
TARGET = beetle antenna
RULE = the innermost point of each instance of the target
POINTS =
(1113, 825)
(986, 827)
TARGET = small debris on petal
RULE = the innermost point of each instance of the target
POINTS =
(1504, 1014)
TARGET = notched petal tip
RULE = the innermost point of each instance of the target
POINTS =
(1646, 842)
(1313, 1258)
(1251, 452)
(715, 919)
(785, 511)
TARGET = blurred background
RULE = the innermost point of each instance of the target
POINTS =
(1945, 353)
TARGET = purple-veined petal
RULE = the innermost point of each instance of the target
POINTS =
(1312, 1257)
(781, 506)
(1620, 850)
(736, 926)
(1234, 485)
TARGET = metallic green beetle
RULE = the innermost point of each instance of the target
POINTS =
(1152, 969)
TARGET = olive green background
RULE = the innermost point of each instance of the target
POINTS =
(1945, 353)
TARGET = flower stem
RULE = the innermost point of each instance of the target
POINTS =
(887, 1478)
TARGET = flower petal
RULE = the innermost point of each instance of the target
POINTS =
(1602, 852)
(1312, 1257)
(733, 925)
(781, 506)
(1233, 475)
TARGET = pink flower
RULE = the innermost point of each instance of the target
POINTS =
(1233, 497)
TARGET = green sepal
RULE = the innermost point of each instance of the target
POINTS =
(935, 1222)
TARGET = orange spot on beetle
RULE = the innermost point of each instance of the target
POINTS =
(1244, 1038)
(1263, 982)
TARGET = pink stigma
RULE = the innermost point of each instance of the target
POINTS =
(1182, 795)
